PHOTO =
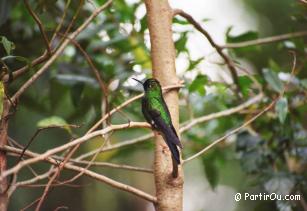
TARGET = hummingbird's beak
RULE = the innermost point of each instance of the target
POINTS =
(138, 81)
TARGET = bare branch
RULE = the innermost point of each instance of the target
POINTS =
(265, 40)
(89, 173)
(184, 126)
(101, 83)
(127, 103)
(88, 164)
(59, 51)
(113, 165)
(227, 112)
(73, 143)
(44, 57)
(59, 26)
(116, 146)
(250, 120)
(230, 133)
(219, 50)
(40, 26)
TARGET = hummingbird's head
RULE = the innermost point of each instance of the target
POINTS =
(150, 85)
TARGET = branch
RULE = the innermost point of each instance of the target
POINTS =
(101, 83)
(85, 162)
(105, 94)
(265, 40)
(166, 88)
(40, 26)
(116, 146)
(249, 121)
(89, 173)
(218, 48)
(184, 127)
(113, 165)
(231, 132)
(73, 143)
(58, 52)
(227, 112)
(30, 181)
(44, 56)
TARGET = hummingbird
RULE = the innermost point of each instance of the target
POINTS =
(158, 116)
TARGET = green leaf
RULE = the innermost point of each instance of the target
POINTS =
(18, 58)
(76, 93)
(273, 80)
(180, 44)
(303, 83)
(245, 83)
(194, 63)
(273, 65)
(246, 36)
(211, 172)
(198, 84)
(53, 121)
(8, 45)
(281, 108)
(180, 21)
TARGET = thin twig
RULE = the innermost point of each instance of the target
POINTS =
(230, 133)
(219, 50)
(113, 165)
(28, 83)
(88, 164)
(250, 120)
(227, 112)
(89, 173)
(40, 26)
(61, 22)
(116, 146)
(73, 143)
(54, 176)
(127, 103)
(105, 94)
(101, 83)
(265, 40)
(37, 132)
(44, 57)
(30, 205)
(185, 126)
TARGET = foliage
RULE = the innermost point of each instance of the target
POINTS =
(271, 152)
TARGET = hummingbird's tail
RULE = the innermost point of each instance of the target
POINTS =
(174, 150)
(170, 136)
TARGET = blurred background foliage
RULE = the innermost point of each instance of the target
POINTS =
(269, 156)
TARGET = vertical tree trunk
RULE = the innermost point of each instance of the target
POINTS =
(159, 15)
(3, 141)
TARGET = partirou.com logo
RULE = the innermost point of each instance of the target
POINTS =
(266, 196)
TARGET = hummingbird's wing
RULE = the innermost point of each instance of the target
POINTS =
(146, 114)
(167, 130)
(171, 124)
(170, 137)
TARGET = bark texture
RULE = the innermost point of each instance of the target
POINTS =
(169, 190)
(3, 159)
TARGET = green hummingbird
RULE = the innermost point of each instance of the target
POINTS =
(157, 115)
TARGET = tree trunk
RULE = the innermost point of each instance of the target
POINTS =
(3, 161)
(159, 16)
